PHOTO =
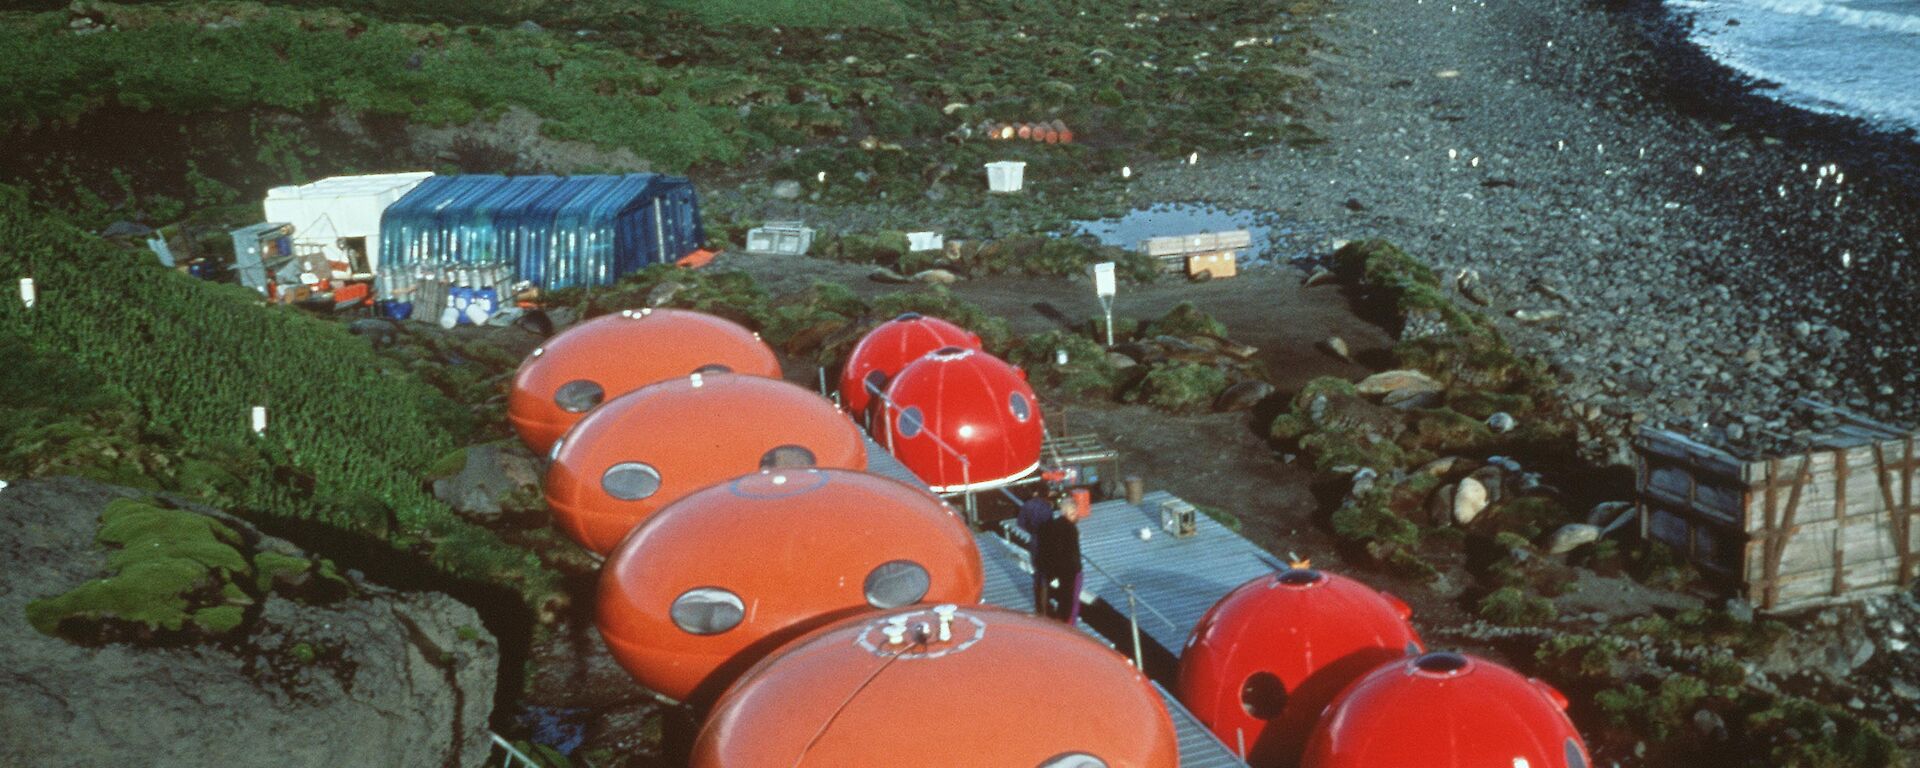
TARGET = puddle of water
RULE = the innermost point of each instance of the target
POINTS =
(1271, 242)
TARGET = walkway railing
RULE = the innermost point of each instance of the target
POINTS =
(1134, 602)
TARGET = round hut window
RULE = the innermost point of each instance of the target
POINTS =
(631, 481)
(911, 421)
(1022, 410)
(1074, 760)
(1263, 695)
(787, 457)
(578, 396)
(897, 583)
(708, 611)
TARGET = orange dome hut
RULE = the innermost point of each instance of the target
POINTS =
(890, 347)
(649, 448)
(1447, 710)
(941, 685)
(611, 355)
(1267, 658)
(803, 547)
(956, 402)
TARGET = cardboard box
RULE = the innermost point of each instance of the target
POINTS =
(1220, 264)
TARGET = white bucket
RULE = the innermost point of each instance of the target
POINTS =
(1005, 176)
(928, 241)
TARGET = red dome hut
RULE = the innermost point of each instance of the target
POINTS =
(956, 402)
(1267, 658)
(940, 685)
(609, 356)
(890, 347)
(1447, 710)
(649, 448)
(803, 547)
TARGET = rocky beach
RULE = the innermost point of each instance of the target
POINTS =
(1683, 252)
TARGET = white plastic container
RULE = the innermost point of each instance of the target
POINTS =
(1006, 176)
(925, 241)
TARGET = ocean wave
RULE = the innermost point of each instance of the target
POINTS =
(1885, 21)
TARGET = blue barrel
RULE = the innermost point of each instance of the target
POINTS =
(396, 310)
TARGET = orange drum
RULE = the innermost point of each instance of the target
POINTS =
(611, 355)
(649, 448)
(941, 685)
(802, 547)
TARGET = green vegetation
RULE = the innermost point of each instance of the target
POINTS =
(1807, 733)
(181, 362)
(1585, 658)
(1513, 607)
(1183, 321)
(888, 104)
(172, 573)
(166, 574)
(821, 323)
(1386, 538)
(1180, 387)
(1087, 371)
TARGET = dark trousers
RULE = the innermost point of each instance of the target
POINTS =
(1062, 602)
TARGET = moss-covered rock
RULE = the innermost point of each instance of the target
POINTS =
(168, 566)
(1183, 321)
(1087, 371)
(171, 573)
(1180, 387)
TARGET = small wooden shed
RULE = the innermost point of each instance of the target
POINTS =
(1832, 520)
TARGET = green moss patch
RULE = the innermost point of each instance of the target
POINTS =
(169, 568)
(170, 574)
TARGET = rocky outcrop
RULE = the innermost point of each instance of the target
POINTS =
(496, 483)
(375, 678)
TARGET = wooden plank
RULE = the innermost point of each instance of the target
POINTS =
(1778, 535)
(1840, 539)
(1899, 516)
(1712, 461)
(1199, 242)
(1889, 430)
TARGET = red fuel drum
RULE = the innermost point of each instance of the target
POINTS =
(890, 347)
(999, 689)
(1447, 710)
(649, 448)
(609, 356)
(1265, 660)
(973, 404)
(718, 579)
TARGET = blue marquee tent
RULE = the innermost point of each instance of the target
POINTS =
(554, 231)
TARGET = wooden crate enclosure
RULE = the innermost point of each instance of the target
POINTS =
(1835, 521)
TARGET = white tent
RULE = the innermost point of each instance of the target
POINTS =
(341, 215)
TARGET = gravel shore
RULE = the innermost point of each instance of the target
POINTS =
(1700, 258)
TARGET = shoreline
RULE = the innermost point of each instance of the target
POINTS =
(1560, 149)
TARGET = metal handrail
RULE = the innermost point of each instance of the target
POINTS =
(514, 757)
(970, 505)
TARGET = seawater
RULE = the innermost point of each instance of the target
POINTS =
(1859, 58)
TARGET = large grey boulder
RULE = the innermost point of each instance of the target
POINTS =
(500, 482)
(376, 678)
